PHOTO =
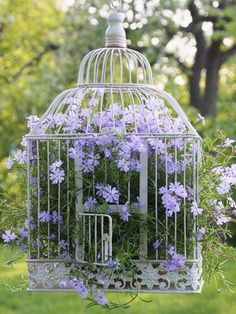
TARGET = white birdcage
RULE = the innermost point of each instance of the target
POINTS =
(114, 133)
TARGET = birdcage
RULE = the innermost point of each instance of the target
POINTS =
(113, 181)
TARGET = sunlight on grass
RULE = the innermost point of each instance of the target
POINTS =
(24, 302)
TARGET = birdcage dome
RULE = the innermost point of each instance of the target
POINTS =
(114, 92)
(115, 65)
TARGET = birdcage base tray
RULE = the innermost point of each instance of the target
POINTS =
(149, 277)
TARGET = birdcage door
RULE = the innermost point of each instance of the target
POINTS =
(94, 240)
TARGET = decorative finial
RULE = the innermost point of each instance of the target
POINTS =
(115, 34)
(115, 5)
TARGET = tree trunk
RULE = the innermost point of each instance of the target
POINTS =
(195, 77)
(208, 107)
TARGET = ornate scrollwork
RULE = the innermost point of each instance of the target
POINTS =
(148, 277)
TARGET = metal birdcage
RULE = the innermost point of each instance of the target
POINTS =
(113, 165)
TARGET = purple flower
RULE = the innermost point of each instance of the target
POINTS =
(107, 152)
(137, 144)
(138, 204)
(178, 189)
(93, 159)
(135, 165)
(200, 233)
(72, 153)
(157, 244)
(30, 224)
(100, 188)
(124, 213)
(195, 209)
(44, 217)
(56, 218)
(114, 264)
(171, 197)
(223, 188)
(23, 233)
(9, 236)
(123, 164)
(171, 204)
(10, 162)
(90, 203)
(100, 298)
(63, 284)
(219, 212)
(87, 166)
(56, 165)
(32, 121)
(21, 156)
(110, 194)
(124, 150)
(33, 181)
(63, 245)
(57, 176)
(73, 122)
(222, 219)
(175, 261)
(93, 101)
(228, 142)
(81, 289)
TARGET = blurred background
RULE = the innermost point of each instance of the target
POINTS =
(191, 45)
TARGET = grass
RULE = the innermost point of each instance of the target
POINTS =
(23, 302)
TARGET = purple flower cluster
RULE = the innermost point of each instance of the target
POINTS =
(113, 264)
(152, 116)
(79, 286)
(127, 150)
(172, 197)
(219, 212)
(227, 178)
(90, 203)
(21, 156)
(46, 217)
(100, 298)
(175, 261)
(32, 121)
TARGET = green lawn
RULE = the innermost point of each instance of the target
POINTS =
(24, 302)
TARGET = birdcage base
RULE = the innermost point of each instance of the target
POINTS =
(149, 277)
